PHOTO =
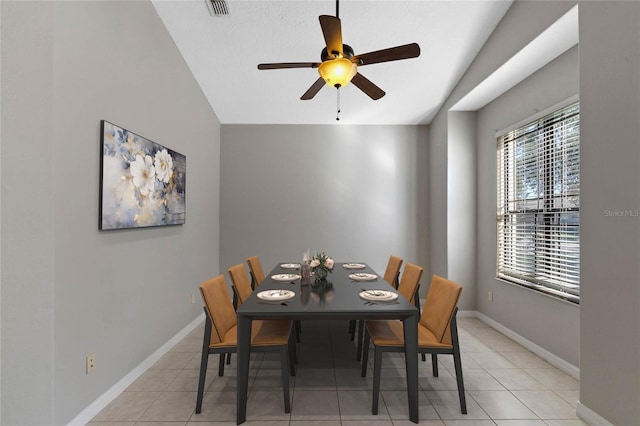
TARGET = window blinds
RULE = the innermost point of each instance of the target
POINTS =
(539, 204)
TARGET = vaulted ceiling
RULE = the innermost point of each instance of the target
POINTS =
(223, 53)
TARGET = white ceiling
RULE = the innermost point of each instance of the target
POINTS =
(223, 54)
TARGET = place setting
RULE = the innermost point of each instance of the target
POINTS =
(378, 296)
(275, 297)
(363, 276)
(285, 278)
(354, 266)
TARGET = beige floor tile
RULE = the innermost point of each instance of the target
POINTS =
(356, 405)
(502, 405)
(397, 405)
(547, 404)
(515, 379)
(171, 406)
(447, 406)
(554, 378)
(128, 406)
(506, 385)
(154, 380)
(266, 405)
(315, 405)
(217, 406)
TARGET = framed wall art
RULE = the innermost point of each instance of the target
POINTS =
(142, 183)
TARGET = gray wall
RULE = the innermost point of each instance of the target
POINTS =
(358, 193)
(518, 309)
(610, 166)
(67, 288)
(528, 313)
(602, 335)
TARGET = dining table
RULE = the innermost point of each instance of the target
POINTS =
(343, 295)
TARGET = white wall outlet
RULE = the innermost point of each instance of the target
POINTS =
(91, 363)
(490, 296)
(193, 298)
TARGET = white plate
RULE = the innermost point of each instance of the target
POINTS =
(290, 266)
(354, 266)
(285, 277)
(379, 295)
(361, 276)
(276, 295)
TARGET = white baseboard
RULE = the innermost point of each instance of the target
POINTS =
(552, 359)
(591, 417)
(103, 400)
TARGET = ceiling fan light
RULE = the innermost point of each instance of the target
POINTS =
(337, 72)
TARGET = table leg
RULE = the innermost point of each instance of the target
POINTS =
(244, 348)
(411, 358)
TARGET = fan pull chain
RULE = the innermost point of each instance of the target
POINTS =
(338, 106)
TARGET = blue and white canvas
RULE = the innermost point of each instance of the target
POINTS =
(142, 182)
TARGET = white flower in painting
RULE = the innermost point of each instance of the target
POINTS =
(164, 166)
(143, 174)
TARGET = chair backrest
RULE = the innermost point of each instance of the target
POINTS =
(241, 283)
(217, 300)
(393, 270)
(409, 281)
(440, 306)
(256, 270)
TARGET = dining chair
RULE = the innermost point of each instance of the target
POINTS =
(242, 289)
(391, 275)
(240, 281)
(437, 334)
(255, 268)
(408, 287)
(221, 336)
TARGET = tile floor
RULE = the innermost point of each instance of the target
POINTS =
(506, 385)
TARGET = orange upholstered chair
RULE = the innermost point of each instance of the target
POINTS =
(392, 273)
(437, 334)
(241, 283)
(221, 336)
(408, 287)
(257, 274)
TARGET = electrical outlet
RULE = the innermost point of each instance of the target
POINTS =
(91, 363)
(490, 296)
(193, 298)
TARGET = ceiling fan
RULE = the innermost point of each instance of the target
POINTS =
(339, 64)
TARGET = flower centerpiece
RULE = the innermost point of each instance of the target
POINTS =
(321, 265)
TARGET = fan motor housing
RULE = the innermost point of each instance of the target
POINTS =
(347, 52)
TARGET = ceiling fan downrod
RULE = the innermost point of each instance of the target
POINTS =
(338, 106)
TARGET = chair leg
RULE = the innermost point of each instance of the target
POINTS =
(352, 329)
(360, 332)
(434, 364)
(377, 366)
(457, 362)
(229, 358)
(284, 361)
(204, 360)
(424, 357)
(365, 353)
(223, 356)
(298, 327)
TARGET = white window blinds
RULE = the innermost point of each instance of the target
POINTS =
(539, 204)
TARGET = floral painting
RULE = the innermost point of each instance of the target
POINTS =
(142, 182)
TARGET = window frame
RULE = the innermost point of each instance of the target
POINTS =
(510, 220)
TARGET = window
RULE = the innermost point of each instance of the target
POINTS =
(539, 204)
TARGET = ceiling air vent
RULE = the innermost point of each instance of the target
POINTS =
(218, 7)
